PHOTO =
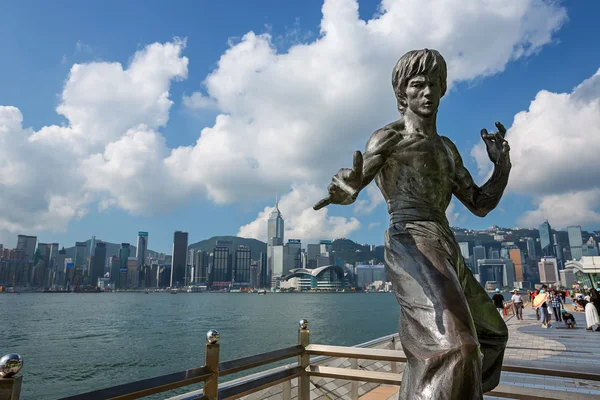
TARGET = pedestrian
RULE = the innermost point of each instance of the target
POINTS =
(541, 302)
(517, 302)
(498, 300)
(557, 304)
(533, 296)
(595, 296)
(591, 315)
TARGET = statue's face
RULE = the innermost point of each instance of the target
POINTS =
(423, 94)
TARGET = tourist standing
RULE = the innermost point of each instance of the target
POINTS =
(517, 302)
(498, 300)
(532, 298)
(591, 315)
(557, 304)
(541, 302)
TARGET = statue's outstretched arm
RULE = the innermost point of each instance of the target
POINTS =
(348, 182)
(481, 200)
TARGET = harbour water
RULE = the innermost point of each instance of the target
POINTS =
(74, 343)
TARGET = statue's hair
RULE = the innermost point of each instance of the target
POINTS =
(413, 63)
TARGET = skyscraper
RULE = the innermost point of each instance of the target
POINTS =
(179, 260)
(531, 248)
(274, 235)
(517, 259)
(242, 265)
(97, 263)
(80, 250)
(27, 245)
(546, 240)
(142, 248)
(92, 246)
(575, 242)
(200, 267)
(221, 267)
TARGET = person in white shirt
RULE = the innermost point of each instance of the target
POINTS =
(517, 302)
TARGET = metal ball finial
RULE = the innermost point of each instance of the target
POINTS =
(10, 365)
(303, 324)
(212, 336)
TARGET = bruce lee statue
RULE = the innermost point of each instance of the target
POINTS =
(451, 333)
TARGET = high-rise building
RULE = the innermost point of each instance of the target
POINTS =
(464, 249)
(274, 235)
(59, 266)
(500, 271)
(92, 246)
(264, 279)
(590, 248)
(97, 263)
(531, 248)
(312, 252)
(575, 242)
(546, 240)
(142, 248)
(27, 245)
(241, 273)
(133, 275)
(124, 254)
(548, 270)
(115, 271)
(517, 259)
(80, 250)
(179, 259)
(220, 274)
(201, 260)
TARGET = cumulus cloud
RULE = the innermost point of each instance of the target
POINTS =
(285, 117)
(366, 207)
(554, 153)
(300, 220)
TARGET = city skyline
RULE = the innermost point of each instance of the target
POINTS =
(285, 125)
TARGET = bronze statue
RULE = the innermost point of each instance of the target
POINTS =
(453, 336)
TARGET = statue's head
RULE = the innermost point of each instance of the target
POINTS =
(428, 70)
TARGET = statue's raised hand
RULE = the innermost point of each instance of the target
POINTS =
(497, 147)
(345, 185)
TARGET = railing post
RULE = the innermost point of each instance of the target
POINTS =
(211, 386)
(303, 361)
(393, 347)
(10, 385)
(354, 384)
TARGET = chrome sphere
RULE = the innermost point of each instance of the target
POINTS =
(212, 336)
(10, 365)
(303, 324)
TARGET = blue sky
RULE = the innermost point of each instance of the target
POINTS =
(40, 41)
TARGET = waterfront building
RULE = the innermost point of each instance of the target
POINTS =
(326, 278)
(59, 266)
(15, 268)
(546, 240)
(27, 244)
(221, 268)
(142, 248)
(312, 252)
(241, 275)
(132, 273)
(97, 263)
(548, 267)
(499, 270)
(124, 254)
(201, 261)
(590, 248)
(92, 246)
(586, 271)
(115, 267)
(367, 274)
(254, 275)
(264, 278)
(80, 250)
(179, 259)
(575, 242)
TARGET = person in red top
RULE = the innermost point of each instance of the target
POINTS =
(537, 312)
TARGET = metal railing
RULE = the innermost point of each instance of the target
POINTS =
(303, 369)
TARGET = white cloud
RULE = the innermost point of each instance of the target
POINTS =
(284, 118)
(554, 152)
(366, 207)
(562, 210)
(300, 220)
(198, 101)
(373, 225)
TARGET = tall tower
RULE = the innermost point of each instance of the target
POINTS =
(179, 260)
(546, 240)
(142, 248)
(274, 236)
